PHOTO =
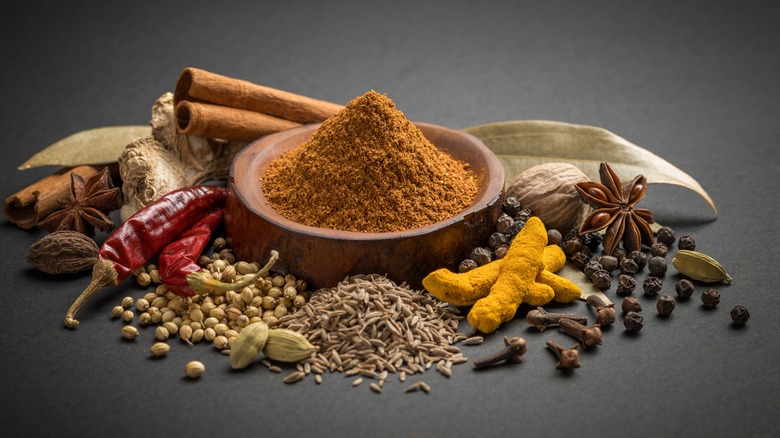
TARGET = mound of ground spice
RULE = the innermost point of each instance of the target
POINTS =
(368, 169)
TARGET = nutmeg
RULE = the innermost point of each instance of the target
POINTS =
(548, 190)
(63, 252)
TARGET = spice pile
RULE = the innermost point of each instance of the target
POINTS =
(368, 169)
(371, 326)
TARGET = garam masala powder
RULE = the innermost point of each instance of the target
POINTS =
(368, 169)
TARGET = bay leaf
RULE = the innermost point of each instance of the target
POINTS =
(93, 146)
(522, 144)
(569, 272)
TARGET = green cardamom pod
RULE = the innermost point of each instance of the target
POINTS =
(287, 346)
(700, 267)
(248, 345)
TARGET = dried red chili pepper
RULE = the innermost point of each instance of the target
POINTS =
(180, 257)
(141, 237)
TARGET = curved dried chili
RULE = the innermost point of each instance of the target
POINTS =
(142, 236)
(180, 257)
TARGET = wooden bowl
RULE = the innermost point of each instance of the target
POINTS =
(323, 257)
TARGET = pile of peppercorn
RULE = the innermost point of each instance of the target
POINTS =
(512, 220)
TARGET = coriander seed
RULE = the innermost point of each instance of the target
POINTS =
(129, 332)
(128, 315)
(161, 333)
(194, 369)
(740, 315)
(159, 349)
(142, 305)
(127, 302)
(117, 311)
(143, 279)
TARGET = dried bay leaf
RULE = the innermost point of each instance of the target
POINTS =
(93, 146)
(522, 144)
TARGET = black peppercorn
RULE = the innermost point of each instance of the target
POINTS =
(631, 304)
(710, 298)
(633, 322)
(665, 305)
(652, 285)
(686, 242)
(482, 255)
(665, 235)
(601, 279)
(684, 289)
(592, 241)
(500, 251)
(639, 258)
(657, 266)
(579, 260)
(609, 263)
(571, 234)
(516, 228)
(740, 315)
(504, 223)
(591, 267)
(554, 237)
(511, 206)
(523, 215)
(626, 284)
(619, 254)
(572, 246)
(659, 249)
(466, 265)
(628, 266)
(497, 239)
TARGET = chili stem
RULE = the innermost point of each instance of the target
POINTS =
(202, 283)
(103, 274)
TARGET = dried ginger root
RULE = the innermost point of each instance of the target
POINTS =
(152, 166)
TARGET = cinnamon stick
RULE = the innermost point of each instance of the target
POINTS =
(202, 86)
(32, 204)
(215, 121)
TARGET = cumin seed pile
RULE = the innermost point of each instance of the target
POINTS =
(371, 326)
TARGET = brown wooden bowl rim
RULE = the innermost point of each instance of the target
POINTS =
(493, 187)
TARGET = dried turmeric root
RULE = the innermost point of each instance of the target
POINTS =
(528, 268)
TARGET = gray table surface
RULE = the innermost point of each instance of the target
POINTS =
(697, 83)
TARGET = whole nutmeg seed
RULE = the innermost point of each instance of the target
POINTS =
(548, 190)
(63, 252)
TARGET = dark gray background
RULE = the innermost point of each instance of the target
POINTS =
(697, 83)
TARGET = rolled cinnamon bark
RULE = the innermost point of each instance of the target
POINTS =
(31, 205)
(202, 86)
(215, 121)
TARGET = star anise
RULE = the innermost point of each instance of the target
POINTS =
(615, 209)
(87, 206)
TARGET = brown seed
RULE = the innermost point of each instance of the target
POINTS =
(376, 388)
(295, 376)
